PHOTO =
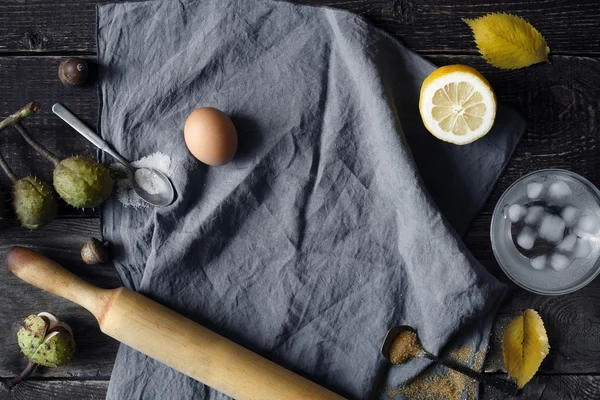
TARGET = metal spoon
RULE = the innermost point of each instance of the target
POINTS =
(504, 385)
(166, 192)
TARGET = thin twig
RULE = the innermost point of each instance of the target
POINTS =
(26, 372)
(7, 169)
(26, 111)
(36, 145)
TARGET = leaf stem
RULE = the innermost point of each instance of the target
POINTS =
(7, 169)
(26, 111)
(26, 372)
(36, 145)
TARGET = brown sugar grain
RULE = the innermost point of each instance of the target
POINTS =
(437, 383)
(404, 347)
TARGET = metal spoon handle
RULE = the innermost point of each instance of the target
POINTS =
(86, 132)
(506, 386)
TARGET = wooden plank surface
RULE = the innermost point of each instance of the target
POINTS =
(429, 26)
(562, 387)
(61, 390)
(566, 387)
(61, 241)
(26, 79)
(559, 99)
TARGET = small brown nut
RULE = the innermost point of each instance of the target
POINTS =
(94, 252)
(73, 72)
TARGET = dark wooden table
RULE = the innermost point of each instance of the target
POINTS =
(560, 101)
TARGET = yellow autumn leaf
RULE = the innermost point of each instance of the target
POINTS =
(508, 41)
(524, 346)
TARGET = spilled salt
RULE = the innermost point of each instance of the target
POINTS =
(143, 177)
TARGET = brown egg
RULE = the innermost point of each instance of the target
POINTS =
(210, 136)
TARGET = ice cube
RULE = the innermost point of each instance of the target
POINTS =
(515, 212)
(571, 215)
(552, 228)
(568, 243)
(559, 262)
(534, 190)
(538, 262)
(589, 224)
(526, 238)
(583, 248)
(534, 215)
(559, 191)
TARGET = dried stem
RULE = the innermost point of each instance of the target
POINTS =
(31, 108)
(7, 169)
(26, 372)
(36, 145)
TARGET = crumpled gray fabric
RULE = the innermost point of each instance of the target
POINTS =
(324, 231)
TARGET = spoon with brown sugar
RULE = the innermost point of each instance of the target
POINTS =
(402, 344)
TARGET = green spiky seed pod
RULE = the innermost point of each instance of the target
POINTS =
(82, 182)
(45, 341)
(34, 202)
(32, 334)
(56, 350)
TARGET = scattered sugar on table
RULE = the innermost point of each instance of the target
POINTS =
(440, 383)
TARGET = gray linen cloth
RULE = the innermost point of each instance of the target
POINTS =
(324, 231)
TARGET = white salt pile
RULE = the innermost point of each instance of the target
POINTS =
(149, 181)
(143, 177)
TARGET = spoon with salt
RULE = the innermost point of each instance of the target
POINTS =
(402, 344)
(149, 184)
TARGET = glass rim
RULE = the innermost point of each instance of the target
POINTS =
(594, 272)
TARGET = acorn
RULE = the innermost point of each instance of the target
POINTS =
(73, 72)
(94, 252)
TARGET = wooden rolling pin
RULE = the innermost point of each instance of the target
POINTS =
(169, 337)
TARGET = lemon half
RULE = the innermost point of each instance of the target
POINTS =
(457, 104)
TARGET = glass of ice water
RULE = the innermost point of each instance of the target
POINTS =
(546, 232)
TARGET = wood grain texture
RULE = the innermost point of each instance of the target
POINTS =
(61, 241)
(429, 26)
(60, 390)
(559, 100)
(573, 325)
(565, 387)
(26, 79)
